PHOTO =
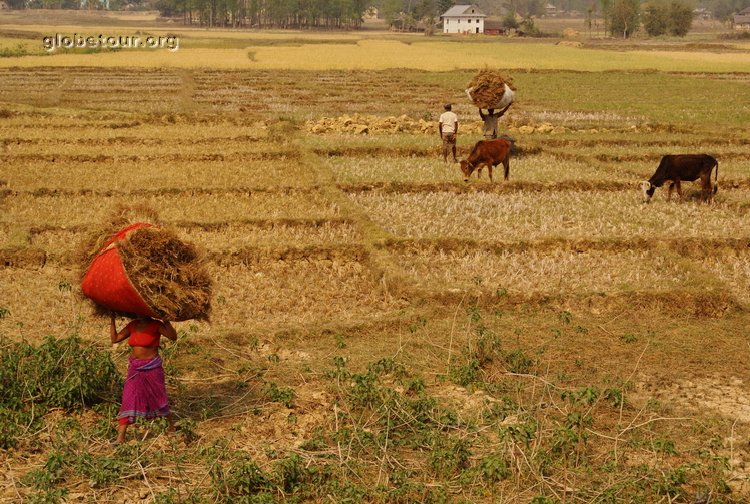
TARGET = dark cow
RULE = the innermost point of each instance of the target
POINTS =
(489, 153)
(675, 168)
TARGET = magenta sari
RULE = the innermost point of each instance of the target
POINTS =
(144, 393)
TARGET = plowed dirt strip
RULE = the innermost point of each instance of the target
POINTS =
(563, 214)
(154, 177)
(532, 170)
(483, 186)
(180, 151)
(232, 155)
(111, 90)
(228, 242)
(665, 141)
(29, 211)
(685, 247)
(643, 305)
(279, 292)
(734, 271)
(106, 138)
(555, 272)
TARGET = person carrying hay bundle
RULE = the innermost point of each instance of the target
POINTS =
(144, 393)
(489, 128)
(134, 266)
(490, 90)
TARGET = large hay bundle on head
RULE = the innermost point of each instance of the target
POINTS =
(137, 266)
(491, 89)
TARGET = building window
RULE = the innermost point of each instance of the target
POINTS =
(469, 20)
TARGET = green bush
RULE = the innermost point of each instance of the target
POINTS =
(675, 19)
(61, 373)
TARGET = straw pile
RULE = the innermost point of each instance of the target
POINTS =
(168, 273)
(488, 88)
(368, 124)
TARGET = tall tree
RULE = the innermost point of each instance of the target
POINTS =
(624, 18)
(655, 19)
(680, 19)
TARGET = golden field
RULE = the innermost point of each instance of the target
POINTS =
(383, 331)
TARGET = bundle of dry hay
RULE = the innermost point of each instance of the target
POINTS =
(488, 88)
(169, 273)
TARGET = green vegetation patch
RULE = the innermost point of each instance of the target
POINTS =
(59, 373)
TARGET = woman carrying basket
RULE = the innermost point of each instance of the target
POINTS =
(144, 393)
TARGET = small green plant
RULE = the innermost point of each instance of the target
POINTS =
(614, 396)
(522, 432)
(671, 483)
(466, 373)
(167, 497)
(100, 470)
(629, 338)
(340, 341)
(494, 468)
(665, 446)
(48, 496)
(52, 473)
(518, 362)
(283, 395)
(541, 499)
(448, 456)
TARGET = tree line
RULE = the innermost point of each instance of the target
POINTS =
(621, 17)
(301, 14)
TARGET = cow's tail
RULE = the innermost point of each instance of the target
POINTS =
(716, 177)
(513, 148)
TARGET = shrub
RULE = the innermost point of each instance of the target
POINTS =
(675, 19)
(680, 19)
(59, 373)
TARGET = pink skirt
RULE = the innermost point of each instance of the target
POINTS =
(144, 393)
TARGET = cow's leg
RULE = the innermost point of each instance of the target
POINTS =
(678, 186)
(669, 190)
(479, 171)
(706, 189)
(506, 165)
(489, 169)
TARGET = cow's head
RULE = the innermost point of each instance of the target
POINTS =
(648, 190)
(467, 169)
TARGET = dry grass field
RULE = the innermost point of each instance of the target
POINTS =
(383, 331)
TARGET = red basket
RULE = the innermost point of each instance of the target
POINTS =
(107, 283)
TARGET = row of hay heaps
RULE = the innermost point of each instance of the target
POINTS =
(364, 124)
(360, 126)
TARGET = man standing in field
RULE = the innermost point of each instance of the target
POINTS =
(490, 121)
(448, 128)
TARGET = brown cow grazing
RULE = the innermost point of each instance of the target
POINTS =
(489, 153)
(675, 168)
